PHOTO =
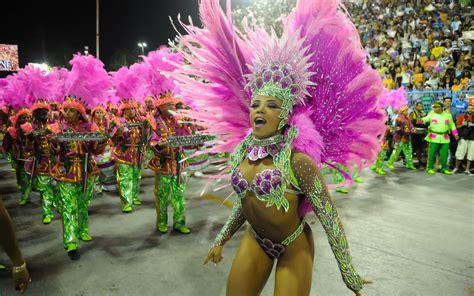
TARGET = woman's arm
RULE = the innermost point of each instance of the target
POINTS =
(234, 222)
(312, 184)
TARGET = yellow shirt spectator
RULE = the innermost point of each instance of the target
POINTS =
(423, 60)
(444, 17)
(388, 83)
(457, 87)
(418, 79)
(437, 51)
(464, 81)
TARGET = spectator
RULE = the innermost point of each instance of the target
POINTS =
(465, 125)
(388, 82)
(438, 50)
(456, 24)
(457, 86)
(419, 133)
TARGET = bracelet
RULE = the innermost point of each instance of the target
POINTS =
(18, 269)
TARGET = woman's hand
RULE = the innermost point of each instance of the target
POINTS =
(21, 280)
(365, 280)
(214, 255)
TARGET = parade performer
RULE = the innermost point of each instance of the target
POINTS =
(339, 178)
(402, 139)
(169, 171)
(43, 158)
(21, 150)
(440, 126)
(4, 123)
(286, 105)
(170, 178)
(130, 136)
(107, 179)
(393, 99)
(36, 87)
(75, 170)
(16, 141)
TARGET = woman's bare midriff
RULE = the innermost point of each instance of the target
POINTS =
(268, 222)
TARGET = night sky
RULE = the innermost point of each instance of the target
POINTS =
(51, 31)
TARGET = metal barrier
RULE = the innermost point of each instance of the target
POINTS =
(427, 98)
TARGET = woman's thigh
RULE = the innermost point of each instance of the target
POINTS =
(294, 271)
(250, 269)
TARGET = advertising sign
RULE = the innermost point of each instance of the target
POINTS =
(8, 57)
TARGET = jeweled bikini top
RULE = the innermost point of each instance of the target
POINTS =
(268, 184)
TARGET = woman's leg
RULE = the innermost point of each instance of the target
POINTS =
(250, 269)
(295, 267)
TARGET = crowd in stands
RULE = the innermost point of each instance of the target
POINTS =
(418, 44)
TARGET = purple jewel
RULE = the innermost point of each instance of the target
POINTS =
(286, 82)
(273, 253)
(295, 89)
(275, 67)
(235, 177)
(277, 76)
(254, 151)
(273, 149)
(267, 76)
(259, 82)
(258, 190)
(258, 180)
(243, 185)
(267, 244)
(267, 175)
(279, 248)
(266, 187)
(276, 182)
(262, 152)
(277, 173)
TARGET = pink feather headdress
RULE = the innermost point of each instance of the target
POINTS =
(86, 83)
(129, 86)
(396, 99)
(159, 64)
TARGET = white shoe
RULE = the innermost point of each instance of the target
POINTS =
(468, 173)
(198, 174)
(455, 170)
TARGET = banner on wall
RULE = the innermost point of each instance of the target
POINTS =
(8, 57)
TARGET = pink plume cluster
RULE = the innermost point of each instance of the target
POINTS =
(159, 64)
(395, 98)
(128, 82)
(27, 85)
(87, 79)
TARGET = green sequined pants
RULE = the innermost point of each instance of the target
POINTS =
(339, 178)
(380, 159)
(164, 185)
(23, 181)
(45, 188)
(128, 180)
(74, 206)
(407, 151)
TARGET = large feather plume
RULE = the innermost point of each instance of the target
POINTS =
(87, 79)
(159, 64)
(344, 98)
(214, 80)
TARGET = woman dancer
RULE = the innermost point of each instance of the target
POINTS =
(312, 99)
